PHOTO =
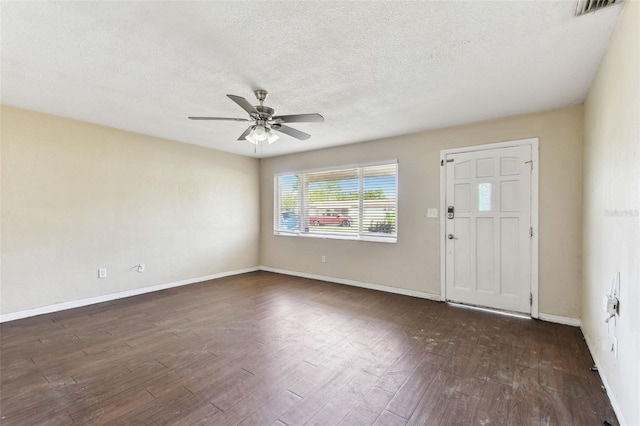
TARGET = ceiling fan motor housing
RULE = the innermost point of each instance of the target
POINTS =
(264, 113)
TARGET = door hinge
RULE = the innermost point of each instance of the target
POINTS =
(530, 232)
(448, 160)
(530, 299)
(530, 163)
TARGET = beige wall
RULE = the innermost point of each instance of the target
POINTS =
(611, 229)
(77, 197)
(414, 262)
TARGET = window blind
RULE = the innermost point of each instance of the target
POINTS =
(358, 202)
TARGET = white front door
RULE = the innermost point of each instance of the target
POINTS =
(487, 228)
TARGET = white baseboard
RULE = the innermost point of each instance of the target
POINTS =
(544, 317)
(610, 395)
(134, 292)
(113, 296)
(354, 283)
(574, 322)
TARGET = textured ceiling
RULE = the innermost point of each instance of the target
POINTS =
(373, 69)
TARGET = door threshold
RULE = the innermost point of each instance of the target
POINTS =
(490, 310)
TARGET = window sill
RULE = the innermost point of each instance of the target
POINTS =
(366, 238)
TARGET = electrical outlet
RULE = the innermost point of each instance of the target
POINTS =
(141, 267)
(102, 273)
(610, 305)
(324, 258)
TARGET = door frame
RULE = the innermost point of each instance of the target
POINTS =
(534, 143)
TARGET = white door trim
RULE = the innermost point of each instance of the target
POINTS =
(535, 151)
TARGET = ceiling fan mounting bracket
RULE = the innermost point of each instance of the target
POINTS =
(261, 95)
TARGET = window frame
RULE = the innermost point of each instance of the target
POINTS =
(360, 235)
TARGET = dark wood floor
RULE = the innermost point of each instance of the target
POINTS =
(268, 349)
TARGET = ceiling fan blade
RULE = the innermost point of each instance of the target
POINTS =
(244, 104)
(246, 132)
(299, 118)
(218, 118)
(291, 131)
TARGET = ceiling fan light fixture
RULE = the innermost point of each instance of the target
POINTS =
(272, 137)
(259, 133)
(251, 139)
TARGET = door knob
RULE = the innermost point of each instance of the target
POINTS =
(451, 237)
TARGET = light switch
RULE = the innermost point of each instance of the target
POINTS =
(432, 213)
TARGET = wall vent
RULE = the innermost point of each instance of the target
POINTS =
(586, 6)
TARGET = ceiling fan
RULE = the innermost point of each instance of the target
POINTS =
(265, 123)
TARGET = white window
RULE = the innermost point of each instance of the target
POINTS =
(358, 202)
